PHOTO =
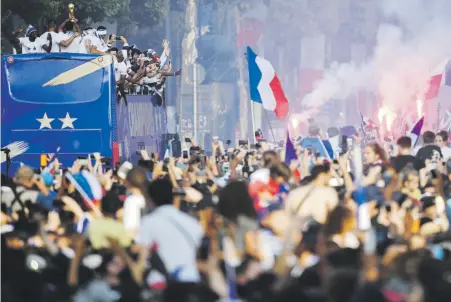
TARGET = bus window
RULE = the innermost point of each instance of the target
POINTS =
(31, 89)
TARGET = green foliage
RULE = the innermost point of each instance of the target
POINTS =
(148, 12)
(142, 12)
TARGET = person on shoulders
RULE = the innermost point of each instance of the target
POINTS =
(404, 156)
(441, 140)
(429, 150)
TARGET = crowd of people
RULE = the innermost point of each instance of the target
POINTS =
(239, 224)
(136, 71)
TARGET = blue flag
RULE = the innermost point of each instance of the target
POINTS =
(290, 152)
(315, 145)
(329, 149)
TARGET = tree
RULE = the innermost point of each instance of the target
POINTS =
(85, 10)
(148, 12)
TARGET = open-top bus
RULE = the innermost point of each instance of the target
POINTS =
(57, 101)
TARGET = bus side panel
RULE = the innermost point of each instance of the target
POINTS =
(113, 117)
(141, 125)
(93, 126)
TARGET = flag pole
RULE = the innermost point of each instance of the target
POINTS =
(269, 124)
(438, 115)
(253, 121)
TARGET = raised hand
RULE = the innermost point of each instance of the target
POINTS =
(165, 44)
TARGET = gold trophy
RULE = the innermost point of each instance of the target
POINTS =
(71, 7)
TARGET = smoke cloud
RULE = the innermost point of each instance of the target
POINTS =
(412, 41)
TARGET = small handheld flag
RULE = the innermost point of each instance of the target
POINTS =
(290, 152)
(415, 132)
(169, 153)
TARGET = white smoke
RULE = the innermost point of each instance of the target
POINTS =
(408, 49)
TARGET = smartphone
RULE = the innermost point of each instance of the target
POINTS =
(388, 208)
(187, 140)
(344, 144)
(44, 160)
(185, 154)
(349, 142)
(118, 38)
(434, 174)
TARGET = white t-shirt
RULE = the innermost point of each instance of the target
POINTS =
(95, 41)
(32, 47)
(133, 206)
(85, 40)
(74, 46)
(446, 152)
(56, 40)
(119, 69)
(176, 236)
(100, 44)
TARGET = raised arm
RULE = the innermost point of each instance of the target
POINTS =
(48, 47)
(62, 25)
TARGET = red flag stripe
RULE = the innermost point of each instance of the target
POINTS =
(281, 100)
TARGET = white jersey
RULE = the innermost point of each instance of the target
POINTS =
(56, 40)
(74, 46)
(32, 47)
(120, 69)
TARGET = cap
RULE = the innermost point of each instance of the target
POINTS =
(48, 178)
(29, 30)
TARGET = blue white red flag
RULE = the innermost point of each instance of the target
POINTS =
(264, 85)
(415, 132)
(438, 77)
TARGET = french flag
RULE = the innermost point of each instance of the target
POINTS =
(264, 85)
(445, 121)
(440, 76)
(89, 188)
(416, 131)
(367, 122)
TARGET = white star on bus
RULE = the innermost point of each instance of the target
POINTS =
(67, 121)
(45, 121)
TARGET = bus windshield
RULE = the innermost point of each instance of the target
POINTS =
(73, 92)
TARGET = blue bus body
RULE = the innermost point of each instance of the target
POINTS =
(56, 101)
